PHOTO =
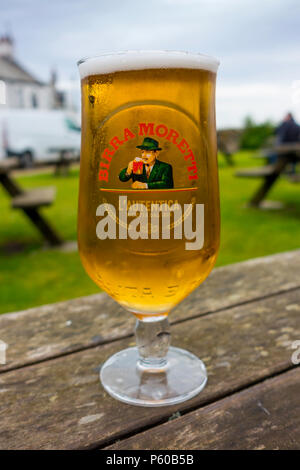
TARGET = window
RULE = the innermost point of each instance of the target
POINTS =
(34, 101)
(20, 98)
(72, 125)
(2, 92)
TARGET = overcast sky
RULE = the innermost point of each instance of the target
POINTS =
(257, 42)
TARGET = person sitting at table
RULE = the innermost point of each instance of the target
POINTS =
(288, 131)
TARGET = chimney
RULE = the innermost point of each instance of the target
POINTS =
(53, 77)
(6, 46)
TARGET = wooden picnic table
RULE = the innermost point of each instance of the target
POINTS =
(228, 141)
(287, 154)
(243, 322)
(29, 202)
(66, 156)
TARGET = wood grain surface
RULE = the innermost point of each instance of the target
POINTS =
(265, 416)
(60, 404)
(54, 330)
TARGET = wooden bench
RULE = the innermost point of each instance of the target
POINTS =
(256, 172)
(34, 198)
(30, 201)
(243, 322)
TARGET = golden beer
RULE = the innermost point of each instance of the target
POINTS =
(172, 104)
(148, 221)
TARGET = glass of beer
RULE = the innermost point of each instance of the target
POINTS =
(148, 221)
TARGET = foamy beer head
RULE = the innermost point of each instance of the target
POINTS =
(143, 60)
(148, 226)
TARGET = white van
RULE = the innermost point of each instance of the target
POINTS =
(38, 135)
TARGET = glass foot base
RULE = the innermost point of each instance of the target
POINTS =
(125, 379)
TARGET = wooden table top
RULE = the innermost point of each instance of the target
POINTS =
(243, 322)
(9, 164)
(287, 147)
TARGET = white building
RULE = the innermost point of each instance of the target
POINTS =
(19, 88)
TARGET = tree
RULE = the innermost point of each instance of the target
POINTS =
(255, 135)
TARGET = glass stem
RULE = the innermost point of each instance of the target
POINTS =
(153, 339)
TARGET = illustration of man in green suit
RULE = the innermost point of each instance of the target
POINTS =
(154, 174)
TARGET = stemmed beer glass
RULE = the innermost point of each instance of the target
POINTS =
(148, 220)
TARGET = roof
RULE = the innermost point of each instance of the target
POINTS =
(10, 70)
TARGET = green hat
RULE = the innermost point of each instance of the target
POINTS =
(149, 144)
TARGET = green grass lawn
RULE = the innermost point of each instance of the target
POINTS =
(31, 274)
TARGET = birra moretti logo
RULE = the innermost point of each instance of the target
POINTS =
(152, 221)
